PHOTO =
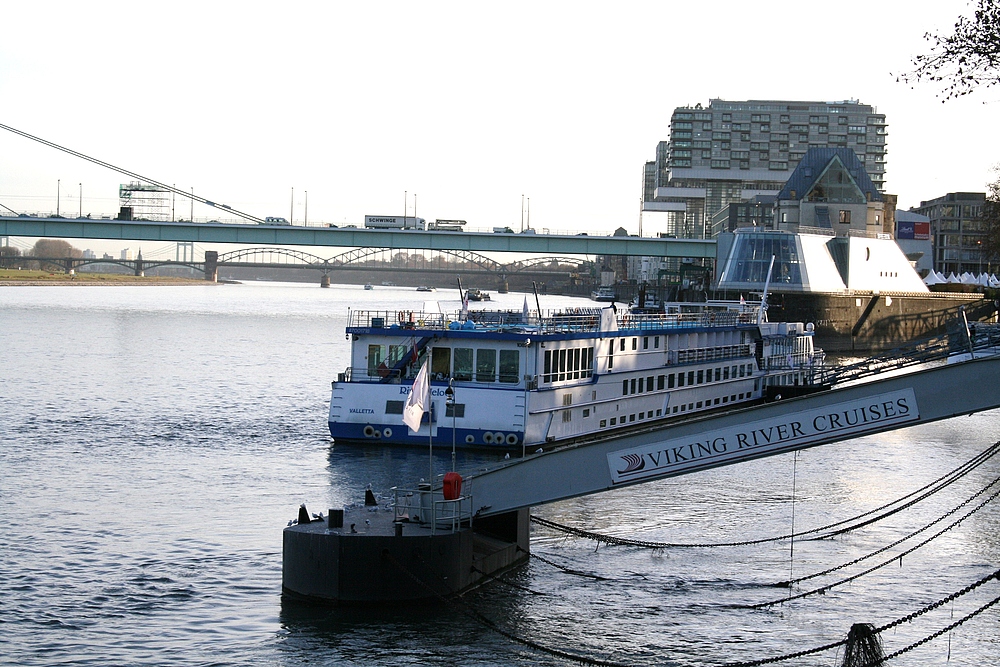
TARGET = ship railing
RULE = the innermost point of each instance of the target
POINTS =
(430, 508)
(551, 321)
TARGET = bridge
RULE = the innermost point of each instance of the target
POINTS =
(359, 259)
(352, 237)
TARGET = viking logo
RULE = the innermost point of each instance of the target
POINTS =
(633, 462)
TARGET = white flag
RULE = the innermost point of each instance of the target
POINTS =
(419, 399)
(524, 311)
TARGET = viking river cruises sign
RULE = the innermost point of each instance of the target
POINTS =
(793, 430)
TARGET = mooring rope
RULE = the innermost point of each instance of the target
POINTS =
(941, 518)
(898, 557)
(924, 492)
(479, 617)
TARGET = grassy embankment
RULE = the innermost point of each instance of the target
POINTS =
(32, 277)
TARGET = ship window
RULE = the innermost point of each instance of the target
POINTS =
(699, 404)
(649, 383)
(586, 412)
(463, 363)
(718, 374)
(624, 387)
(486, 365)
(680, 379)
(690, 378)
(510, 365)
(659, 412)
(622, 345)
(725, 373)
(656, 342)
(642, 385)
(701, 377)
(576, 364)
(675, 409)
(614, 420)
(660, 381)
(670, 381)
(589, 364)
(375, 354)
(458, 411)
(631, 418)
(604, 422)
(562, 364)
(396, 354)
(567, 415)
(547, 371)
(441, 362)
(611, 355)
(725, 399)
(645, 342)
(394, 407)
(635, 343)
(632, 386)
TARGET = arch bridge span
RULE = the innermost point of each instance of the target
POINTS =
(394, 258)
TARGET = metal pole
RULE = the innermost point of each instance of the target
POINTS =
(306, 223)
(291, 212)
(80, 214)
(192, 204)
(58, 187)
(522, 213)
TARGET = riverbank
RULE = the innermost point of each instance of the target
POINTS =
(12, 277)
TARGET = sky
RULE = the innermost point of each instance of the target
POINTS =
(457, 110)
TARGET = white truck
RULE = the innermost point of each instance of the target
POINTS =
(394, 222)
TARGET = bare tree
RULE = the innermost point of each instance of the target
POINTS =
(966, 60)
(991, 218)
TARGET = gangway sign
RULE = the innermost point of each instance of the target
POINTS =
(875, 406)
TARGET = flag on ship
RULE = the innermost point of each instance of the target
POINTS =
(419, 400)
(524, 311)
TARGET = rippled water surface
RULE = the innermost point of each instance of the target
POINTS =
(154, 441)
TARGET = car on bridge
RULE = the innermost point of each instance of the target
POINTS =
(271, 220)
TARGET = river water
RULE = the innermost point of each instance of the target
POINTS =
(154, 441)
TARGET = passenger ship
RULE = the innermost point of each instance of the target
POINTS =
(515, 380)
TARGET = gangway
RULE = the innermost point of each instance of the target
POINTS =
(391, 560)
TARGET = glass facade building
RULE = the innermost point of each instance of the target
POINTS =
(958, 231)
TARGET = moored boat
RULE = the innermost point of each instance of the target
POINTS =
(523, 380)
(605, 293)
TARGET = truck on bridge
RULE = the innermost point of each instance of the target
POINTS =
(394, 222)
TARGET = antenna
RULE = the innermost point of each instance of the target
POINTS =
(762, 313)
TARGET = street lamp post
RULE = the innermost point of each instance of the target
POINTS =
(449, 399)
(58, 188)
(80, 214)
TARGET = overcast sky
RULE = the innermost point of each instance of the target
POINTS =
(469, 105)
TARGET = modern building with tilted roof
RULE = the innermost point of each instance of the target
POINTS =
(826, 260)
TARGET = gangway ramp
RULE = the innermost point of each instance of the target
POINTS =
(875, 406)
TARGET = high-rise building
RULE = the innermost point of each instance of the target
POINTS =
(731, 152)
(958, 232)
